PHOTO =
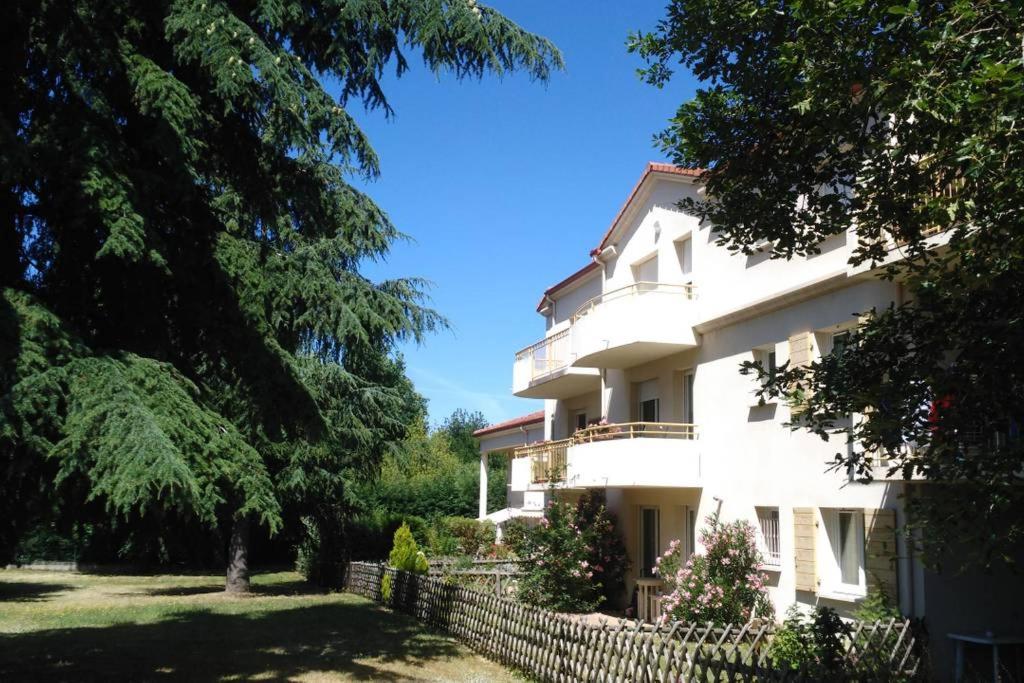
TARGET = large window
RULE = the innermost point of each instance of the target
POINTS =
(648, 402)
(648, 540)
(691, 530)
(688, 397)
(846, 536)
(768, 520)
(646, 271)
(581, 420)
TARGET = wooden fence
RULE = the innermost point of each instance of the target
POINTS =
(498, 577)
(559, 648)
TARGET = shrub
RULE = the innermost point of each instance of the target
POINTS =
(405, 556)
(472, 536)
(608, 557)
(725, 584)
(810, 643)
(571, 550)
(876, 607)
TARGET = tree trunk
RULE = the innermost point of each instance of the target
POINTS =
(238, 557)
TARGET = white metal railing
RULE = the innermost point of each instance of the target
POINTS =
(648, 599)
(635, 430)
(632, 290)
(547, 355)
(548, 460)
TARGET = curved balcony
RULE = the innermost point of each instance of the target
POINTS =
(635, 454)
(545, 370)
(662, 454)
(633, 325)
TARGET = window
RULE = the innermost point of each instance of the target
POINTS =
(846, 534)
(648, 541)
(648, 403)
(840, 340)
(581, 420)
(768, 520)
(691, 530)
(766, 357)
(649, 410)
(688, 397)
(646, 271)
(684, 251)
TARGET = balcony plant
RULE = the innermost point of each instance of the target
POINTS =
(724, 584)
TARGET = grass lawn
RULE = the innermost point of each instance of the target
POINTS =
(82, 627)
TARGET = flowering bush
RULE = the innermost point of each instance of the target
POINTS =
(577, 557)
(724, 585)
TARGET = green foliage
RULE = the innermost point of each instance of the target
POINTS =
(405, 556)
(572, 549)
(185, 333)
(724, 585)
(461, 536)
(885, 124)
(436, 472)
(876, 607)
(811, 643)
(459, 428)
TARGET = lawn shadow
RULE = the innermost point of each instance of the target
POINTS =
(201, 645)
(283, 588)
(29, 591)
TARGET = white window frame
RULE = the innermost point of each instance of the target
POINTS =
(834, 583)
(770, 537)
(576, 420)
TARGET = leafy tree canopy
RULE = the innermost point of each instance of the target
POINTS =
(895, 125)
(183, 319)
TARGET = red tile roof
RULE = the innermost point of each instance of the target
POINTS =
(511, 424)
(652, 167)
(581, 273)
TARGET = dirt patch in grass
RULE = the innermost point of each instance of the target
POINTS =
(57, 626)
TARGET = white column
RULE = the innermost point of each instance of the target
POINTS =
(483, 484)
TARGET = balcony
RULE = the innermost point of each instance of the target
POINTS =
(633, 325)
(544, 370)
(635, 454)
(630, 454)
(547, 460)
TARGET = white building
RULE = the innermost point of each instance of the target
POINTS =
(648, 337)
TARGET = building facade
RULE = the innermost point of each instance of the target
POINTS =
(643, 399)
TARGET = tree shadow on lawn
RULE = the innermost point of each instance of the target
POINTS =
(285, 588)
(202, 645)
(29, 591)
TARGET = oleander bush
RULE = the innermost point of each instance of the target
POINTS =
(723, 584)
(574, 550)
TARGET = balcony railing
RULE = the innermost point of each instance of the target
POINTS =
(636, 430)
(547, 355)
(547, 460)
(633, 290)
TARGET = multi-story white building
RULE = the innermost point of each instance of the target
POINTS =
(643, 398)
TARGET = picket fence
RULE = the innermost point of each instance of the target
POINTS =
(554, 647)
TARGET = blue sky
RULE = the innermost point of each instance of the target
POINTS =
(505, 185)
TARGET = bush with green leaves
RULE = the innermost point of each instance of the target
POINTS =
(573, 549)
(810, 643)
(724, 584)
(405, 556)
(876, 607)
